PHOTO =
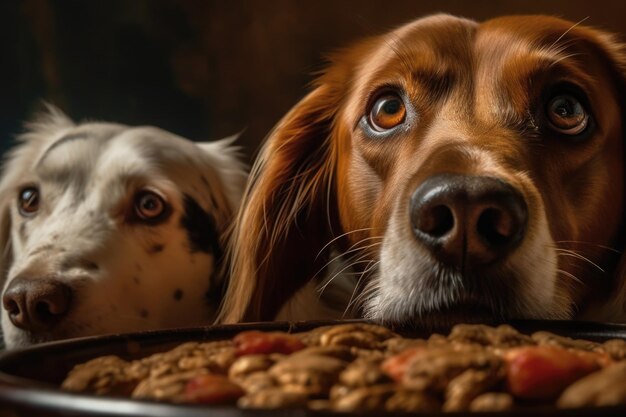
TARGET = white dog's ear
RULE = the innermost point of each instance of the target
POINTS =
(46, 124)
(227, 160)
(6, 251)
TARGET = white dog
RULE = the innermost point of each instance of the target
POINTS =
(110, 228)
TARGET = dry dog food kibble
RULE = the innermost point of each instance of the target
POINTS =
(364, 367)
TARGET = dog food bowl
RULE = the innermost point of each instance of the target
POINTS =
(30, 378)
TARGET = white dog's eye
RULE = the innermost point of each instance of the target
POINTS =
(567, 115)
(150, 206)
(28, 202)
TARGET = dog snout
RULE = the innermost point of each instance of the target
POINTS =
(468, 221)
(36, 304)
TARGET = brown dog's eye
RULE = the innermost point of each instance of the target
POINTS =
(388, 112)
(567, 115)
(28, 201)
(150, 206)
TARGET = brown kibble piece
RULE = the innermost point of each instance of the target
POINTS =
(436, 369)
(547, 338)
(273, 398)
(502, 336)
(361, 335)
(249, 364)
(103, 375)
(412, 402)
(463, 389)
(311, 374)
(492, 401)
(168, 387)
(363, 373)
(615, 348)
(602, 388)
(364, 399)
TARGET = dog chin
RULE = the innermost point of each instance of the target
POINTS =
(445, 299)
(439, 317)
(20, 339)
(444, 318)
(17, 338)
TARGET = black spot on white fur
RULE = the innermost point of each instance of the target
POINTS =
(201, 230)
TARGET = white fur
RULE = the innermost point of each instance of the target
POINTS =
(86, 186)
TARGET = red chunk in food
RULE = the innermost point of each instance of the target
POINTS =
(542, 372)
(395, 366)
(212, 389)
(254, 342)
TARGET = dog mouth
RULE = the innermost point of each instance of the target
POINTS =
(465, 308)
(439, 297)
(23, 338)
(448, 316)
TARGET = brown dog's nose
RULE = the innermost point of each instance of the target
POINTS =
(36, 304)
(468, 221)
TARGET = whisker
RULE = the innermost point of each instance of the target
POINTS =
(358, 301)
(581, 242)
(569, 275)
(350, 261)
(351, 250)
(573, 254)
(350, 265)
(367, 291)
(365, 229)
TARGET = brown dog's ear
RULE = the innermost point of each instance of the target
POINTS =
(614, 309)
(287, 211)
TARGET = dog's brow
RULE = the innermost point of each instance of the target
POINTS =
(64, 139)
(437, 83)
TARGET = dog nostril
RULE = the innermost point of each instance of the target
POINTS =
(45, 312)
(437, 222)
(12, 307)
(53, 303)
(13, 302)
(494, 226)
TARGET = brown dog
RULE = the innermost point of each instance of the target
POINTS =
(468, 170)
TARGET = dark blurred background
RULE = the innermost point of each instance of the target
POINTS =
(204, 68)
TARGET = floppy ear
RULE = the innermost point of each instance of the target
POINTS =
(48, 122)
(614, 309)
(225, 157)
(224, 179)
(6, 252)
(288, 209)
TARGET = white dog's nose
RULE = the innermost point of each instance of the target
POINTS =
(36, 304)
